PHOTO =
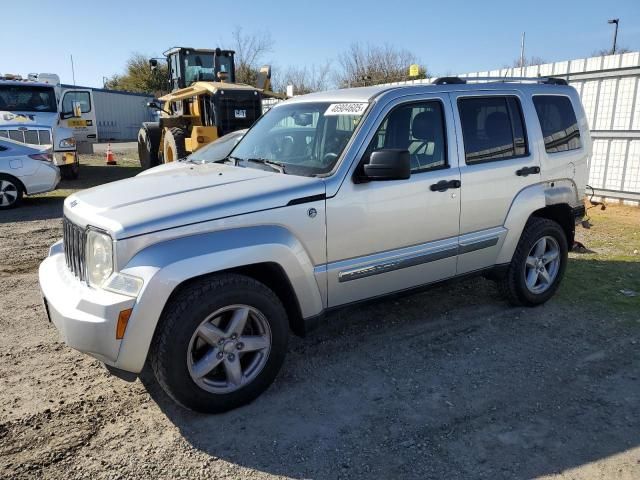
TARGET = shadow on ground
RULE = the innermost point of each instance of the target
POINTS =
(450, 383)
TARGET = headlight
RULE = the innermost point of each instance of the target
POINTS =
(99, 257)
(67, 142)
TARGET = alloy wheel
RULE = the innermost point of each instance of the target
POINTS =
(229, 349)
(8, 193)
(542, 265)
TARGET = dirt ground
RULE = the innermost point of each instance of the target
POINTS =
(451, 383)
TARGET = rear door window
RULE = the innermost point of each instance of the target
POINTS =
(558, 123)
(492, 128)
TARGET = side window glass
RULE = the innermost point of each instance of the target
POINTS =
(492, 129)
(71, 97)
(419, 128)
(558, 123)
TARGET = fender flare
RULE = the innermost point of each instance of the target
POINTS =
(527, 201)
(164, 266)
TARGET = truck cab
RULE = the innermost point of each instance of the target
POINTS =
(30, 113)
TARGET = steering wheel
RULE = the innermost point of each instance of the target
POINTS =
(329, 157)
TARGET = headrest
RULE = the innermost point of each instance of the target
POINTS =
(497, 125)
(426, 125)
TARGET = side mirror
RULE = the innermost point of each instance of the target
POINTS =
(153, 63)
(153, 105)
(388, 164)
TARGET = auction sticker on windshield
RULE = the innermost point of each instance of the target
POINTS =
(346, 109)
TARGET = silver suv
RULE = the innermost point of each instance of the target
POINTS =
(333, 198)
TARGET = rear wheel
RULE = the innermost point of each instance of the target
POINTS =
(70, 171)
(174, 145)
(10, 192)
(148, 146)
(220, 343)
(538, 264)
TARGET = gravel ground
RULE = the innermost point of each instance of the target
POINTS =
(451, 383)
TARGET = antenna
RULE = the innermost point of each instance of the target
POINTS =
(522, 52)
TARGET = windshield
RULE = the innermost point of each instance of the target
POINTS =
(27, 98)
(200, 67)
(218, 150)
(305, 138)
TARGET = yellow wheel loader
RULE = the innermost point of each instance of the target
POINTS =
(205, 103)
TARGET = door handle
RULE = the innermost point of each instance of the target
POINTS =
(524, 171)
(444, 185)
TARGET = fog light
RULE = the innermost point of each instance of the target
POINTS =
(123, 284)
(123, 321)
(200, 139)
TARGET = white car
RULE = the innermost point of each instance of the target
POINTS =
(25, 170)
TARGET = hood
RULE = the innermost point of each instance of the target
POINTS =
(182, 194)
(28, 119)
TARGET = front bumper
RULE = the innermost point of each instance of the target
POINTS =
(65, 158)
(85, 317)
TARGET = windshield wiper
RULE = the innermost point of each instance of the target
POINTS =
(276, 166)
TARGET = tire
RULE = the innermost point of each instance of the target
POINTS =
(148, 146)
(71, 171)
(11, 191)
(174, 145)
(178, 352)
(516, 285)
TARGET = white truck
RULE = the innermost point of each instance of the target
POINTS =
(36, 111)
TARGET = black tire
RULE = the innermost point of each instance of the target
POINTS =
(148, 146)
(11, 191)
(174, 145)
(513, 284)
(185, 313)
(70, 171)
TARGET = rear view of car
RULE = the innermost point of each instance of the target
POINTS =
(24, 170)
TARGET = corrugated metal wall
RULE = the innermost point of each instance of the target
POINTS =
(119, 115)
(609, 87)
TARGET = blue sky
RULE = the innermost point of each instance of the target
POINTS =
(448, 36)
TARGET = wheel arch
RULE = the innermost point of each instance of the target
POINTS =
(269, 254)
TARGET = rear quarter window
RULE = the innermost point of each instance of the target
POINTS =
(558, 123)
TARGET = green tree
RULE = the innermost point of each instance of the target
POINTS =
(139, 77)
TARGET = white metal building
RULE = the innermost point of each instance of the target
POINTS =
(119, 114)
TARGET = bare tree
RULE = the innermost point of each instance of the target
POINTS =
(250, 49)
(305, 79)
(366, 64)
(608, 51)
(528, 62)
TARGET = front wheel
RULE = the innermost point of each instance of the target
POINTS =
(538, 264)
(220, 343)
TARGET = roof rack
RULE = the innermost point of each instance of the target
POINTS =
(458, 80)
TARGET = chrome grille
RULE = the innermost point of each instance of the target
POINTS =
(30, 137)
(74, 240)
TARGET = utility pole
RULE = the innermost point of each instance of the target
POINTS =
(73, 72)
(522, 50)
(615, 34)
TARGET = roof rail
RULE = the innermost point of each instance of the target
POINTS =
(545, 80)
(448, 81)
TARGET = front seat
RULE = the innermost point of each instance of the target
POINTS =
(426, 129)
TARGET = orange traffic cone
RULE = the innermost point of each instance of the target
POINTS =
(111, 159)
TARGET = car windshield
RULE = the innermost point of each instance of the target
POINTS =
(218, 150)
(27, 98)
(304, 138)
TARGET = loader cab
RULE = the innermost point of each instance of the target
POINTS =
(188, 65)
